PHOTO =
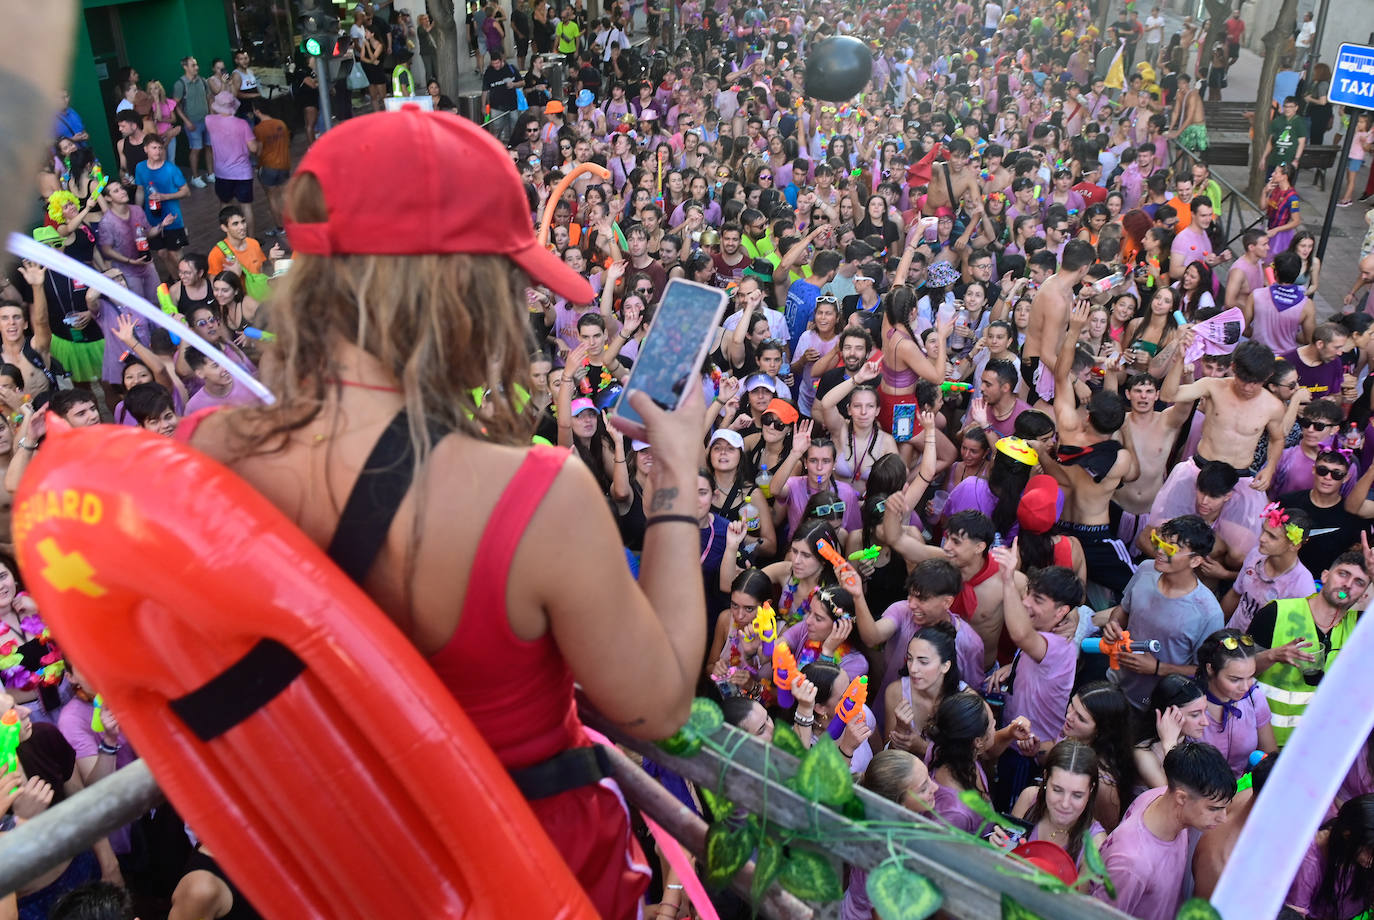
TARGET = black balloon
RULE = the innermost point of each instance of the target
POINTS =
(838, 68)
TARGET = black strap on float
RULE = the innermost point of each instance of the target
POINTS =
(240, 690)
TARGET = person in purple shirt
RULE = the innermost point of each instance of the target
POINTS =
(819, 466)
(999, 495)
(962, 736)
(1319, 364)
(1320, 423)
(931, 588)
(1147, 856)
(219, 386)
(1334, 879)
(823, 634)
(1237, 716)
(1044, 668)
(1272, 569)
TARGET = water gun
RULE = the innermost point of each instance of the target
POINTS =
(867, 554)
(785, 673)
(849, 578)
(259, 335)
(99, 179)
(851, 706)
(765, 626)
(1122, 646)
(955, 386)
(97, 722)
(1255, 758)
(9, 741)
(164, 300)
(1247, 781)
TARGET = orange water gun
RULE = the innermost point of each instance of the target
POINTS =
(851, 706)
(1122, 646)
(786, 673)
(848, 575)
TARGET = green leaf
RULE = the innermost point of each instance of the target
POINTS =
(702, 722)
(973, 800)
(719, 806)
(787, 741)
(853, 808)
(824, 775)
(727, 850)
(810, 876)
(898, 893)
(1092, 860)
(766, 867)
(1012, 910)
(1197, 909)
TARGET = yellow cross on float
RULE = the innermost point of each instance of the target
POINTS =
(67, 571)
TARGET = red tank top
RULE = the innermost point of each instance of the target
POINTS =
(531, 719)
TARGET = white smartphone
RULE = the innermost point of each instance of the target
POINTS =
(670, 359)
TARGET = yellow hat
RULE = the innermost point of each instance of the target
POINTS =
(1018, 450)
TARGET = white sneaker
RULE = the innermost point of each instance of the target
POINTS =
(198, 182)
(209, 177)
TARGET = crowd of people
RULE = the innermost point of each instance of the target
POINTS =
(991, 384)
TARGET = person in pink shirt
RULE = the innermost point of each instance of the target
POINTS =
(1320, 422)
(1044, 670)
(1281, 314)
(1238, 719)
(1333, 881)
(219, 386)
(1271, 570)
(1147, 856)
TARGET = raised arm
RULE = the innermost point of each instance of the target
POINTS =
(41, 333)
(1175, 391)
(1065, 401)
(1014, 614)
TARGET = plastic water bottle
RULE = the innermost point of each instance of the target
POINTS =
(957, 340)
(1352, 439)
(140, 242)
(764, 481)
(749, 514)
(997, 540)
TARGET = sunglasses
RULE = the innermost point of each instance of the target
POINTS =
(772, 421)
(1305, 423)
(764, 176)
(835, 508)
(827, 298)
(1231, 643)
(1329, 472)
(1164, 546)
(207, 322)
(646, 291)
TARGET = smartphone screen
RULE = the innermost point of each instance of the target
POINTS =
(670, 358)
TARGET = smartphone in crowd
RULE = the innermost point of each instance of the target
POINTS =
(671, 356)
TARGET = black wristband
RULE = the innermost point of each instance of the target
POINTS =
(670, 518)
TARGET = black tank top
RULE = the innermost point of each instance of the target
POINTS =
(241, 909)
(133, 155)
(187, 304)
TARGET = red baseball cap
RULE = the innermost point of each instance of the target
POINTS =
(454, 189)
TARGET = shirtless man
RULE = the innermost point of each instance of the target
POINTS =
(1247, 274)
(1049, 320)
(968, 538)
(1090, 464)
(999, 177)
(30, 353)
(1152, 435)
(1241, 411)
(953, 177)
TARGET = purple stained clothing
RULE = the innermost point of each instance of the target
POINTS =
(1240, 738)
(975, 494)
(1309, 881)
(1359, 781)
(121, 235)
(856, 905)
(230, 136)
(854, 663)
(968, 646)
(74, 722)
(1190, 245)
(1295, 474)
(1257, 588)
(1041, 689)
(238, 395)
(1277, 316)
(106, 317)
(1148, 872)
(949, 806)
(1328, 376)
(799, 492)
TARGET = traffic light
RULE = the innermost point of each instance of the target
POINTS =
(319, 30)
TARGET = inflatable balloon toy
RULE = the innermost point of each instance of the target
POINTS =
(292, 725)
(838, 68)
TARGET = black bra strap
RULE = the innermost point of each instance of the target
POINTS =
(372, 505)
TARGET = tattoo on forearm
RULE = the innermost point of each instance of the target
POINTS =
(663, 498)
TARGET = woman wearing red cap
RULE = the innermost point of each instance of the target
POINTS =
(402, 302)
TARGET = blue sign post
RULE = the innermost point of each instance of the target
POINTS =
(1352, 79)
(1352, 85)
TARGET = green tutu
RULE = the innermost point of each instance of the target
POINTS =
(83, 360)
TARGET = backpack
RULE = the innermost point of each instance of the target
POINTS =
(257, 285)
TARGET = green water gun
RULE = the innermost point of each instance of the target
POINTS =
(9, 741)
(867, 554)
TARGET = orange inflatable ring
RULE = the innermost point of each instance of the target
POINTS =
(557, 195)
(292, 725)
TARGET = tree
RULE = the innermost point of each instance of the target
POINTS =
(446, 45)
(1217, 11)
(1274, 41)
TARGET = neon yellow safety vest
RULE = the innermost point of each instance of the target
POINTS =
(1283, 684)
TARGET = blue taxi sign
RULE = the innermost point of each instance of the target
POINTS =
(1352, 79)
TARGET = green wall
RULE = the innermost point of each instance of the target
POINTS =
(156, 35)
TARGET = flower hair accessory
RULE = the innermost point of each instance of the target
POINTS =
(1275, 516)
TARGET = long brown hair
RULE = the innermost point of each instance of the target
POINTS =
(447, 327)
(1077, 758)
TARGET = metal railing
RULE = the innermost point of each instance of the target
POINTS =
(1236, 212)
(971, 877)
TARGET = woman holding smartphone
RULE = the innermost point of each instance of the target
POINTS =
(459, 559)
